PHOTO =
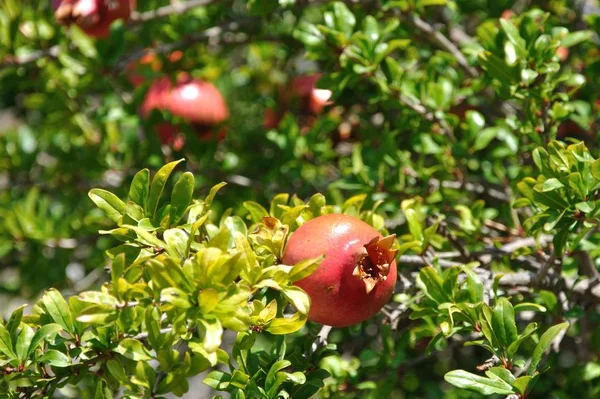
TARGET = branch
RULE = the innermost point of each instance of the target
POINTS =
(170, 47)
(321, 339)
(441, 41)
(471, 187)
(173, 9)
(427, 114)
(11, 60)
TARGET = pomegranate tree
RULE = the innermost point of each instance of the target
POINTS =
(357, 276)
(94, 17)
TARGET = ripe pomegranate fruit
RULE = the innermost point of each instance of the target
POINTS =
(357, 276)
(197, 102)
(303, 98)
(92, 16)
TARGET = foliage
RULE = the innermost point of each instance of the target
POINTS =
(469, 132)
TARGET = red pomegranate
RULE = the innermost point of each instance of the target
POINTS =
(357, 276)
(302, 97)
(197, 102)
(94, 17)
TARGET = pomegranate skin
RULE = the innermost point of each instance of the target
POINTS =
(94, 17)
(339, 297)
(198, 101)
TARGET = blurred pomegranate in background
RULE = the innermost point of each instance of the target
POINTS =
(94, 17)
(300, 97)
(198, 103)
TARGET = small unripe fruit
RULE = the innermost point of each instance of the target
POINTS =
(356, 278)
(94, 17)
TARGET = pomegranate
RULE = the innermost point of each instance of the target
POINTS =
(357, 276)
(94, 17)
(302, 97)
(197, 102)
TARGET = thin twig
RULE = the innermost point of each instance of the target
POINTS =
(441, 41)
(427, 114)
(321, 339)
(186, 41)
(172, 9)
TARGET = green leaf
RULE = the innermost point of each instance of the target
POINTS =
(175, 297)
(24, 341)
(257, 211)
(58, 309)
(522, 383)
(545, 342)
(274, 370)
(414, 224)
(262, 7)
(281, 326)
(501, 373)
(595, 169)
(97, 314)
(304, 268)
(217, 380)
(514, 347)
(41, 334)
(343, 20)
(181, 197)
(549, 185)
(432, 284)
(298, 298)
(55, 358)
(138, 191)
(157, 186)
(6, 345)
(115, 368)
(513, 35)
(99, 298)
(474, 286)
(176, 241)
(133, 349)
(529, 306)
(109, 203)
(503, 323)
(212, 193)
(483, 385)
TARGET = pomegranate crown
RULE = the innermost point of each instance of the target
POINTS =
(373, 263)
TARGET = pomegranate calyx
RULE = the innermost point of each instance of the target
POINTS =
(373, 264)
